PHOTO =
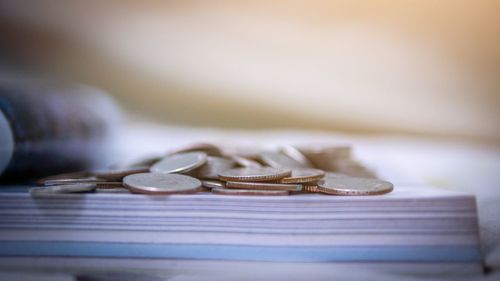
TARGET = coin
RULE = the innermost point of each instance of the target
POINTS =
(254, 174)
(310, 189)
(207, 148)
(63, 188)
(158, 183)
(335, 151)
(109, 184)
(212, 168)
(353, 168)
(335, 175)
(353, 186)
(72, 181)
(180, 163)
(303, 175)
(212, 184)
(245, 162)
(99, 183)
(112, 190)
(119, 174)
(279, 160)
(146, 162)
(263, 186)
(290, 171)
(72, 175)
(325, 157)
(249, 192)
(295, 154)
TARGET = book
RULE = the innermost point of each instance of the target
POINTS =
(412, 227)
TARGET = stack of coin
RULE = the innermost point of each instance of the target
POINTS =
(207, 168)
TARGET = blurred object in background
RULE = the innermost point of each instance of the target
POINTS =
(408, 67)
(47, 128)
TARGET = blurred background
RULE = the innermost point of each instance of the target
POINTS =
(410, 84)
(425, 68)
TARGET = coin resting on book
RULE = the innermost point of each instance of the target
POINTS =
(159, 183)
(352, 186)
(206, 167)
(254, 174)
(180, 163)
(63, 188)
(303, 175)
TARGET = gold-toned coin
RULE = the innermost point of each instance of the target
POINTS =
(255, 174)
(249, 192)
(212, 184)
(207, 148)
(63, 188)
(296, 155)
(279, 160)
(159, 183)
(118, 174)
(263, 186)
(352, 186)
(310, 189)
(245, 162)
(180, 163)
(212, 168)
(304, 175)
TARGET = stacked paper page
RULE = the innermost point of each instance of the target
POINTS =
(411, 224)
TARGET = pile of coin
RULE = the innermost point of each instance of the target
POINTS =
(208, 168)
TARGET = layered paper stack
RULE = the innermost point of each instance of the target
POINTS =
(412, 225)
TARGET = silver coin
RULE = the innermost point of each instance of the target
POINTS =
(112, 190)
(72, 175)
(263, 186)
(158, 183)
(145, 162)
(255, 174)
(296, 155)
(354, 186)
(335, 175)
(326, 157)
(119, 174)
(249, 192)
(72, 181)
(353, 168)
(109, 184)
(335, 151)
(180, 163)
(64, 188)
(212, 184)
(245, 162)
(304, 175)
(208, 148)
(279, 160)
(212, 168)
